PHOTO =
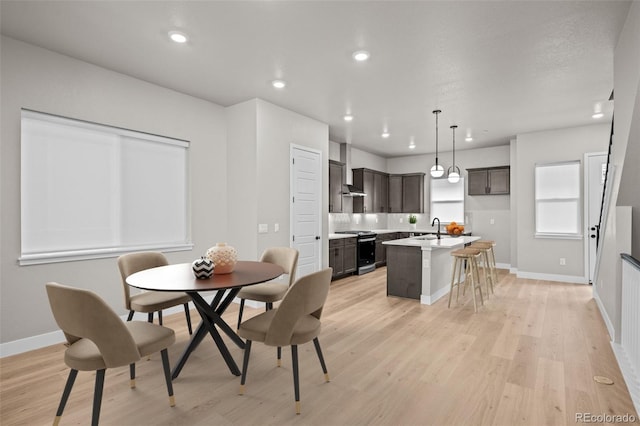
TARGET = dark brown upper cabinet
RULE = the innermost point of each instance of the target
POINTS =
(489, 181)
(336, 180)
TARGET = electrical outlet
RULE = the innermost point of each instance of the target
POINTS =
(401, 220)
(263, 228)
(492, 221)
(276, 227)
(563, 261)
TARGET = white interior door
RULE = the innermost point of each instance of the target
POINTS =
(596, 164)
(306, 190)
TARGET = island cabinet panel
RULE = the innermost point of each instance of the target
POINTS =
(395, 194)
(336, 172)
(404, 271)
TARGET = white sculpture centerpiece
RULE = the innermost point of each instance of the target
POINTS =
(224, 258)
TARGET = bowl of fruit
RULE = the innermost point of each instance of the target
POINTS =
(454, 230)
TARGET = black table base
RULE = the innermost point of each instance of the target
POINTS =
(212, 316)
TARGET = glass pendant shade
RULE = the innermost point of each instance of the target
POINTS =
(437, 170)
(454, 177)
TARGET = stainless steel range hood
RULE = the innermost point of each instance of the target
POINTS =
(349, 190)
(352, 191)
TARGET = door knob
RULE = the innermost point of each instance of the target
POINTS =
(593, 236)
(317, 237)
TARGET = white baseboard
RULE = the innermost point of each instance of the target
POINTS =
(513, 270)
(503, 266)
(605, 316)
(27, 344)
(430, 300)
(553, 277)
(631, 377)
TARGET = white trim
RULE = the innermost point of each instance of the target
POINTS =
(631, 377)
(605, 316)
(585, 213)
(503, 266)
(425, 299)
(552, 277)
(513, 270)
(27, 344)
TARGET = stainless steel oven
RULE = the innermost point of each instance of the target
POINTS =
(366, 250)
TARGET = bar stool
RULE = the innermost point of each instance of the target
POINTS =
(485, 263)
(492, 259)
(471, 274)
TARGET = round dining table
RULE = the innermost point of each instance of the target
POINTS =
(180, 278)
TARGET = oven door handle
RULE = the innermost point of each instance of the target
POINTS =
(366, 240)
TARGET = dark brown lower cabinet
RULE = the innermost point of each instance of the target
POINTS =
(343, 256)
(404, 271)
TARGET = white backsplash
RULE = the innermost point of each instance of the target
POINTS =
(399, 221)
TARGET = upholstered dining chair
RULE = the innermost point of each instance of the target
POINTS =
(271, 291)
(294, 322)
(98, 339)
(149, 301)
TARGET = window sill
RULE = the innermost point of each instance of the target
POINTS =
(77, 255)
(559, 236)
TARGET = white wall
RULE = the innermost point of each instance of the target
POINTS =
(542, 255)
(608, 282)
(41, 80)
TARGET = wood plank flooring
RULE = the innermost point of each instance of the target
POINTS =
(528, 357)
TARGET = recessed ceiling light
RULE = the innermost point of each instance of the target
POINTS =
(597, 115)
(468, 139)
(178, 37)
(278, 84)
(348, 117)
(412, 146)
(385, 134)
(361, 55)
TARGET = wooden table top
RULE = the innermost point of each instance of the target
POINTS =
(180, 277)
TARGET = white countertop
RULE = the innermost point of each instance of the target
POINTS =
(339, 236)
(429, 242)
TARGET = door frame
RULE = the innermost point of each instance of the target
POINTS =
(585, 214)
(292, 148)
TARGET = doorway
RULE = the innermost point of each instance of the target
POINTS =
(595, 173)
(306, 205)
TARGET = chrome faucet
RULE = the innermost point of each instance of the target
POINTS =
(433, 223)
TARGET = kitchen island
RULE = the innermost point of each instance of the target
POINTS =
(420, 267)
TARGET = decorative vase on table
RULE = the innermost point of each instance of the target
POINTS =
(224, 258)
(202, 268)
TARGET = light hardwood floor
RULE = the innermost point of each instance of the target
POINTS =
(528, 357)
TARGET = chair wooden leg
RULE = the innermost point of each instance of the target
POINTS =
(132, 375)
(296, 378)
(245, 366)
(316, 343)
(150, 317)
(65, 395)
(167, 376)
(160, 317)
(130, 317)
(240, 312)
(279, 356)
(187, 314)
(97, 397)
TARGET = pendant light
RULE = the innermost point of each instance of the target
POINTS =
(453, 173)
(437, 170)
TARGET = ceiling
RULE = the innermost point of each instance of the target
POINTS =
(494, 68)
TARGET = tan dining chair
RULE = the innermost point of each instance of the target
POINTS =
(149, 301)
(294, 322)
(272, 291)
(98, 339)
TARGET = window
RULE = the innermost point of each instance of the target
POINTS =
(447, 200)
(557, 192)
(90, 190)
